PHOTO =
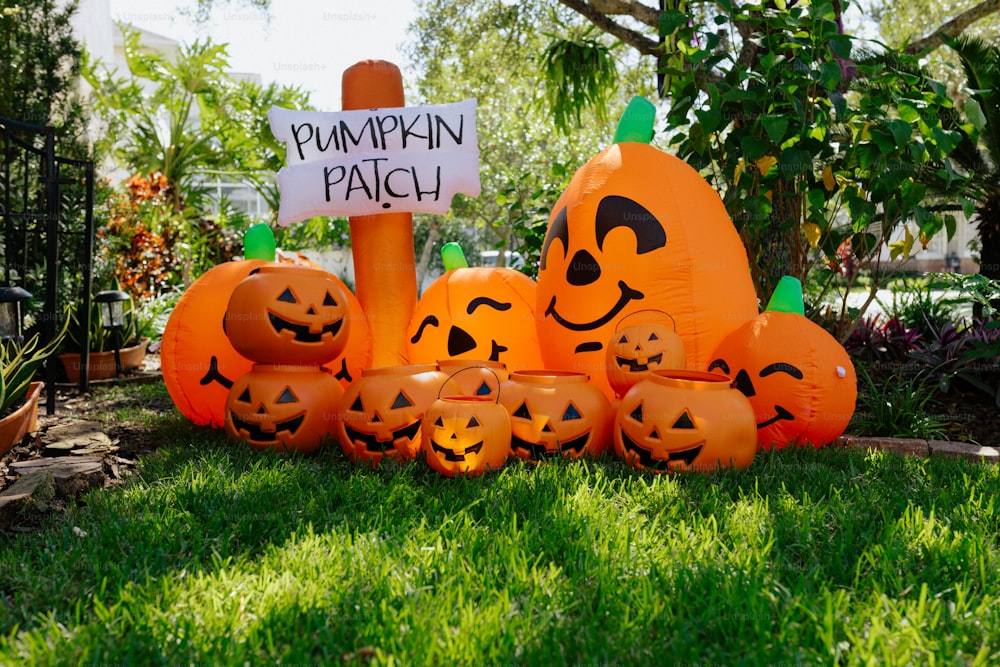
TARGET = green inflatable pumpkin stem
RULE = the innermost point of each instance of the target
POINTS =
(258, 243)
(787, 297)
(636, 123)
(453, 257)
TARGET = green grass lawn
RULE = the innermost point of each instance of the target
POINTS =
(217, 555)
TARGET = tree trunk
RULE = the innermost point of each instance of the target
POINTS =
(433, 234)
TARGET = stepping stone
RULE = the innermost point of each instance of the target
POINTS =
(72, 475)
(35, 488)
(79, 435)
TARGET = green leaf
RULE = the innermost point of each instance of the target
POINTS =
(907, 112)
(974, 112)
(753, 148)
(795, 161)
(968, 206)
(671, 20)
(901, 131)
(950, 225)
(868, 153)
(946, 139)
(710, 119)
(775, 126)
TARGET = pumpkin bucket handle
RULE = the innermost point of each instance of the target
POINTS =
(469, 368)
(647, 310)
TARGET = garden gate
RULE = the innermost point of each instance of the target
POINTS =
(46, 213)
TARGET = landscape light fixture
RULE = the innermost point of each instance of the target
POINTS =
(111, 305)
(11, 313)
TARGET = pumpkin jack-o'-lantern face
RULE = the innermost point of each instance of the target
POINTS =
(745, 384)
(555, 413)
(798, 378)
(381, 437)
(659, 449)
(288, 314)
(632, 228)
(684, 420)
(262, 427)
(636, 230)
(280, 407)
(466, 435)
(638, 348)
(380, 413)
(540, 439)
(476, 313)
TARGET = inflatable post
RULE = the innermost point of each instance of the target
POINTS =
(385, 274)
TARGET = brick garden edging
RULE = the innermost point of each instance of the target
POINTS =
(922, 448)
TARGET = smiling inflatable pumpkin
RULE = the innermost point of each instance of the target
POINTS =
(799, 379)
(476, 313)
(638, 229)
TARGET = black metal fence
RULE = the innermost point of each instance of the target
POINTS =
(46, 214)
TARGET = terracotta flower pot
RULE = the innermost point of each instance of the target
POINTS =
(102, 364)
(22, 421)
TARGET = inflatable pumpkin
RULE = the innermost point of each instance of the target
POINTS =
(476, 313)
(286, 314)
(638, 229)
(676, 421)
(379, 415)
(640, 346)
(799, 379)
(466, 435)
(283, 407)
(555, 413)
(198, 362)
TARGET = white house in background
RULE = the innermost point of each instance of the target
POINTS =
(97, 29)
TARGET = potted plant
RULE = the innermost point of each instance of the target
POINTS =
(19, 391)
(132, 338)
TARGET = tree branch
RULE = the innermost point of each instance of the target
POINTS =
(639, 42)
(633, 8)
(954, 27)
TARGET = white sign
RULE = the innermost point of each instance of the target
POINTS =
(402, 159)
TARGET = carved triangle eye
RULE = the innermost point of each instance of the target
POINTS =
(571, 413)
(473, 422)
(287, 296)
(287, 397)
(438, 422)
(484, 390)
(328, 300)
(684, 421)
(637, 413)
(653, 336)
(522, 412)
(245, 396)
(356, 405)
(623, 339)
(401, 402)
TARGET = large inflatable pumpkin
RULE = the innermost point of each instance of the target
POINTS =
(198, 362)
(799, 379)
(476, 313)
(638, 229)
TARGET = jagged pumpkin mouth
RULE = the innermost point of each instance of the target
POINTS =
(302, 332)
(634, 365)
(538, 450)
(648, 460)
(453, 455)
(256, 433)
(372, 443)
